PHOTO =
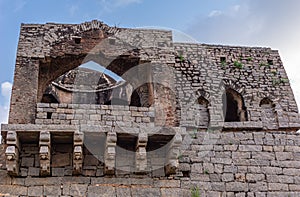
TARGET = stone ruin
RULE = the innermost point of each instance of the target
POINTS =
(128, 112)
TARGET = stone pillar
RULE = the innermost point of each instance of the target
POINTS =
(45, 153)
(78, 152)
(12, 153)
(110, 153)
(141, 154)
(24, 91)
(172, 154)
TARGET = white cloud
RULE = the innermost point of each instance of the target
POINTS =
(4, 107)
(257, 23)
(4, 110)
(215, 13)
(236, 8)
(6, 89)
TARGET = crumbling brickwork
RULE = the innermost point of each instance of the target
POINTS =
(180, 118)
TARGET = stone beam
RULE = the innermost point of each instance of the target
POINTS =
(110, 153)
(141, 154)
(12, 153)
(172, 154)
(78, 152)
(45, 153)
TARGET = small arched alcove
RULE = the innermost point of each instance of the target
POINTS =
(266, 103)
(233, 106)
(268, 113)
(202, 118)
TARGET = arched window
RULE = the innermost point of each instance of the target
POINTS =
(234, 107)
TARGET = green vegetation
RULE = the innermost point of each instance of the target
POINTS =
(181, 58)
(194, 134)
(206, 171)
(238, 64)
(180, 156)
(195, 192)
(274, 72)
(284, 80)
(249, 59)
(264, 64)
(275, 81)
(223, 63)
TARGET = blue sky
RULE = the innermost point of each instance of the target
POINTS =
(272, 23)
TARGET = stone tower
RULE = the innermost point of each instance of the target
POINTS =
(128, 112)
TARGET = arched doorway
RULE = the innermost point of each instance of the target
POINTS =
(234, 107)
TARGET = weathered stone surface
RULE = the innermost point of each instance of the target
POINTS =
(174, 192)
(237, 187)
(57, 171)
(36, 191)
(123, 191)
(90, 160)
(11, 190)
(78, 190)
(140, 191)
(27, 162)
(43, 181)
(52, 190)
(105, 191)
(4, 178)
(33, 171)
(79, 180)
(61, 160)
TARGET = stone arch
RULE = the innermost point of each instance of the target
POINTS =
(203, 101)
(204, 94)
(234, 85)
(233, 106)
(90, 41)
(49, 71)
(142, 95)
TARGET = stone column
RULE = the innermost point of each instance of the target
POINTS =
(110, 153)
(24, 91)
(78, 152)
(172, 154)
(12, 153)
(45, 153)
(141, 154)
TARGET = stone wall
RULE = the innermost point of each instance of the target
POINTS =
(90, 114)
(218, 164)
(253, 72)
